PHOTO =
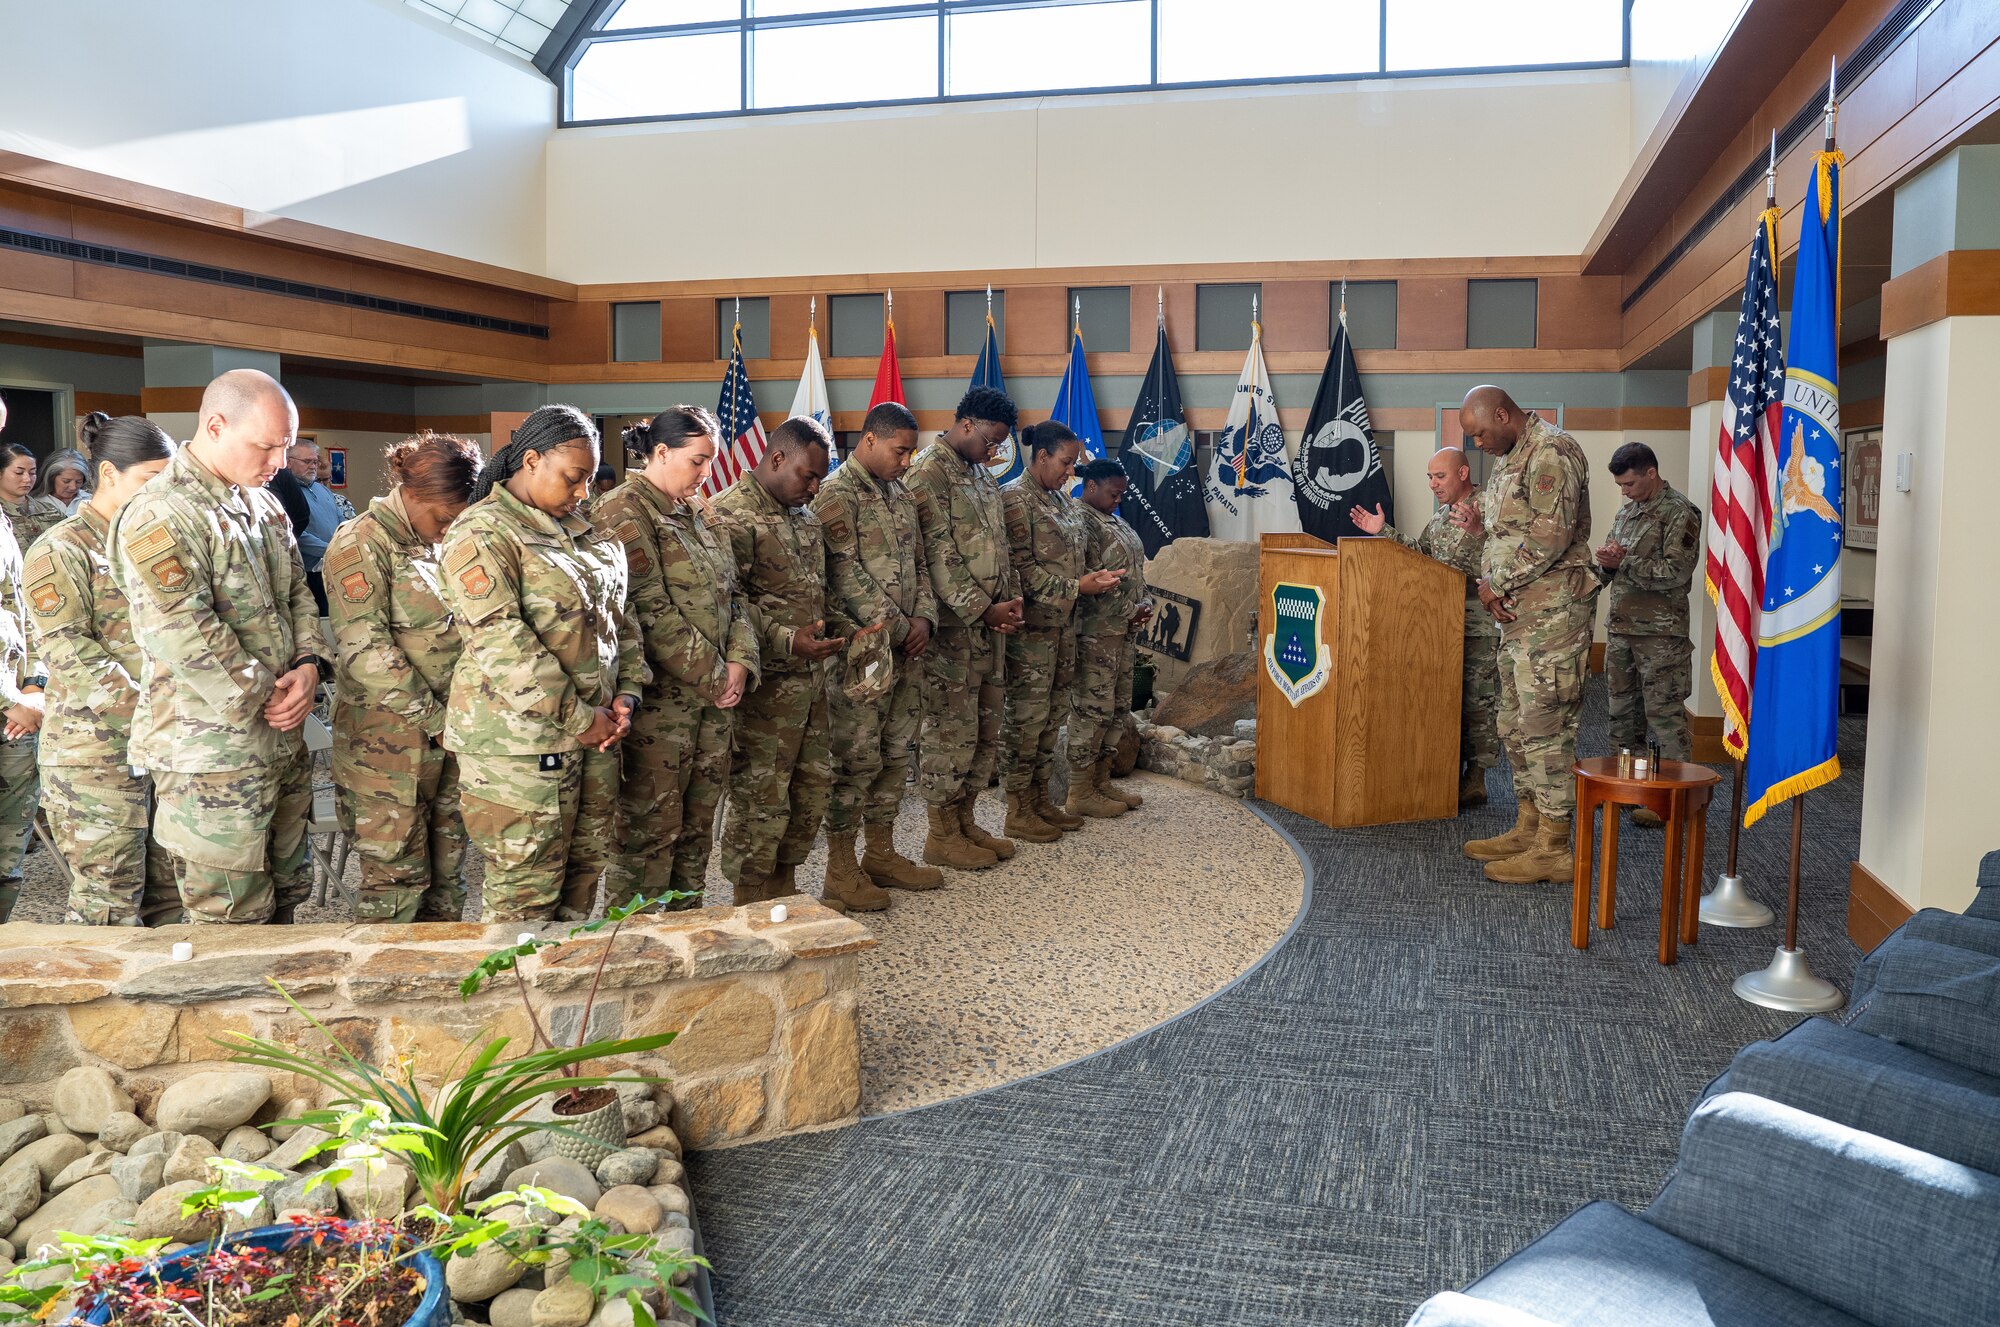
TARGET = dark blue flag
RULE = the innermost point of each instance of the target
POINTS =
(1164, 500)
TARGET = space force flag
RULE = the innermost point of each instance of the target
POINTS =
(1338, 466)
(1250, 489)
(1796, 690)
(1163, 501)
(810, 400)
(1007, 465)
(1076, 405)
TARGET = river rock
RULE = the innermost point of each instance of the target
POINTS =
(291, 1195)
(121, 1130)
(512, 1308)
(64, 1212)
(488, 1269)
(159, 1217)
(47, 1157)
(290, 1154)
(246, 1142)
(83, 1168)
(291, 1110)
(493, 1171)
(87, 1096)
(616, 1312)
(217, 1100)
(659, 1138)
(190, 1160)
(18, 1132)
(631, 1165)
(20, 1193)
(140, 1177)
(671, 1197)
(163, 1141)
(641, 1114)
(669, 1171)
(1213, 696)
(567, 1303)
(11, 1109)
(632, 1207)
(382, 1193)
(572, 1179)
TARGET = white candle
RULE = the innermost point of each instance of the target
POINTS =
(779, 912)
(525, 938)
(183, 951)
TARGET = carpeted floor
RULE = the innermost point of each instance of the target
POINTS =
(1419, 1080)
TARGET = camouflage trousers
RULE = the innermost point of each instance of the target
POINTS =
(1649, 678)
(965, 696)
(544, 825)
(410, 836)
(1102, 696)
(238, 837)
(19, 785)
(780, 778)
(1479, 704)
(99, 816)
(871, 750)
(675, 770)
(1041, 671)
(1541, 692)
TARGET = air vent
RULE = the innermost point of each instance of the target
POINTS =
(1866, 56)
(55, 246)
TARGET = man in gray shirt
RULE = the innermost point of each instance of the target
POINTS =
(303, 461)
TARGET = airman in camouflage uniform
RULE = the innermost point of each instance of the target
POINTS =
(696, 623)
(876, 572)
(550, 671)
(20, 689)
(1443, 540)
(99, 809)
(397, 788)
(783, 770)
(964, 522)
(1535, 514)
(33, 517)
(1107, 641)
(230, 657)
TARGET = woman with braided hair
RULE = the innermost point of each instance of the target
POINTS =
(550, 672)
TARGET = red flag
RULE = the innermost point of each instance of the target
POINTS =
(888, 376)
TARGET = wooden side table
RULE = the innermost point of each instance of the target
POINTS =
(1677, 792)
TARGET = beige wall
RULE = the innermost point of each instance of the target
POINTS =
(1670, 39)
(349, 113)
(1370, 170)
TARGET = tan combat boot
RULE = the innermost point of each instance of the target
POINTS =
(1023, 823)
(1100, 779)
(1038, 798)
(1548, 858)
(1087, 799)
(847, 885)
(946, 844)
(752, 889)
(1514, 840)
(968, 823)
(784, 880)
(889, 868)
(1471, 787)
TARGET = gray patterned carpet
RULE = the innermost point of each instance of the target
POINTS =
(1422, 1078)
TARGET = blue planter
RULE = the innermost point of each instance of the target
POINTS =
(434, 1310)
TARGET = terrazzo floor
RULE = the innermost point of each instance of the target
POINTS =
(1012, 971)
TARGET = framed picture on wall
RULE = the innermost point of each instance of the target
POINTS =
(1861, 463)
(336, 467)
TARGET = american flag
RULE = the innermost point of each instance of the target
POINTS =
(742, 432)
(1746, 475)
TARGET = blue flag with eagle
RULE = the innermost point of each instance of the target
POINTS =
(1163, 501)
(1009, 464)
(1076, 405)
(1796, 691)
(1250, 490)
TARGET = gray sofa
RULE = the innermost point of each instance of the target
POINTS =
(1843, 1175)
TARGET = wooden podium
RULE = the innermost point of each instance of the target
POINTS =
(1360, 727)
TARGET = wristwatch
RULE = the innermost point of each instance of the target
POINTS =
(325, 668)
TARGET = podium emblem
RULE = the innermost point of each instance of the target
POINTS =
(1294, 655)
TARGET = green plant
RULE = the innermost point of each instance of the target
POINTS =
(627, 1264)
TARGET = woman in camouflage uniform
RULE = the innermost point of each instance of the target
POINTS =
(550, 674)
(32, 513)
(1106, 645)
(395, 644)
(700, 643)
(100, 809)
(1047, 544)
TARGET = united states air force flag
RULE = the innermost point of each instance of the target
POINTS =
(1076, 405)
(1008, 465)
(1249, 486)
(1795, 695)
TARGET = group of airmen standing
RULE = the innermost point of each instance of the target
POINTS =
(573, 681)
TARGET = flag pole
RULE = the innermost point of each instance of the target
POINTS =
(1789, 984)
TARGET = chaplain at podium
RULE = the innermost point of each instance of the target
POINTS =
(1459, 548)
(1537, 583)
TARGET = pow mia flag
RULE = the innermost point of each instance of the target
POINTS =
(1164, 500)
(1337, 466)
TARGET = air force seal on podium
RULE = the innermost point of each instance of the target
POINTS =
(1294, 655)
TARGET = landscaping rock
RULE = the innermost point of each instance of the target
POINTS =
(122, 1130)
(87, 1096)
(290, 1195)
(615, 1312)
(671, 1197)
(20, 1194)
(217, 1100)
(246, 1142)
(567, 1303)
(290, 1154)
(257, 1214)
(632, 1165)
(381, 1194)
(677, 1219)
(18, 1132)
(561, 1175)
(46, 1157)
(163, 1141)
(669, 1171)
(512, 1308)
(487, 1180)
(11, 1109)
(64, 1211)
(659, 1138)
(489, 1269)
(291, 1110)
(140, 1177)
(83, 1168)
(190, 1160)
(640, 1115)
(159, 1217)
(632, 1207)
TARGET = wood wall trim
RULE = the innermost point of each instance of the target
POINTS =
(170, 400)
(111, 403)
(75, 344)
(1705, 385)
(1873, 909)
(1861, 414)
(1964, 283)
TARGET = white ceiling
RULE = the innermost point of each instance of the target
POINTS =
(518, 27)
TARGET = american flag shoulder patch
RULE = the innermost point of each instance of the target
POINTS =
(150, 543)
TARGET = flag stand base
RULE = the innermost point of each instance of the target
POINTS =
(1729, 904)
(1789, 985)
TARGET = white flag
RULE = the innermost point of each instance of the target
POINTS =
(811, 397)
(1249, 488)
